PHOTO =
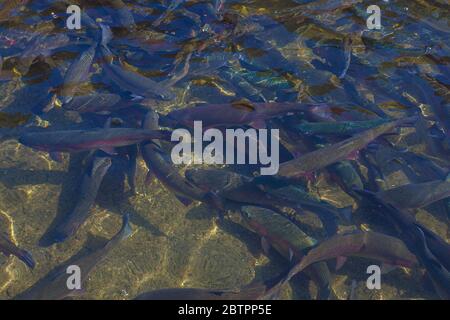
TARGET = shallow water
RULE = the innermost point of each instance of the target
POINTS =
(402, 68)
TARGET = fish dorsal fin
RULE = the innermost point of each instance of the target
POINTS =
(243, 105)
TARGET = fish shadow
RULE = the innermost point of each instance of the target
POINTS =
(67, 199)
(12, 177)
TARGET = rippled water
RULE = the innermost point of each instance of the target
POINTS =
(401, 69)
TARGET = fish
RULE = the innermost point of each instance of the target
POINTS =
(432, 251)
(136, 83)
(7, 247)
(238, 113)
(77, 74)
(440, 275)
(90, 184)
(95, 103)
(40, 46)
(256, 290)
(242, 85)
(391, 251)
(54, 285)
(416, 195)
(338, 128)
(241, 191)
(122, 15)
(328, 214)
(173, 5)
(321, 158)
(287, 239)
(9, 7)
(347, 52)
(84, 140)
(167, 173)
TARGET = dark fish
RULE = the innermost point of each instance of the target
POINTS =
(287, 239)
(238, 113)
(132, 153)
(173, 5)
(236, 188)
(41, 46)
(54, 285)
(257, 290)
(440, 275)
(167, 173)
(87, 194)
(338, 128)
(431, 251)
(327, 213)
(347, 55)
(416, 195)
(372, 245)
(346, 176)
(83, 140)
(8, 248)
(95, 103)
(321, 158)
(77, 73)
(241, 84)
(8, 7)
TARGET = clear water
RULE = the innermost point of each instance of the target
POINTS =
(177, 246)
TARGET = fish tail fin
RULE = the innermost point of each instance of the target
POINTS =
(126, 229)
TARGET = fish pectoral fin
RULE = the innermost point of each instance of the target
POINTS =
(265, 245)
(340, 261)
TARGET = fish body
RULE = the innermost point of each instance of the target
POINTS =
(83, 140)
(8, 248)
(370, 245)
(238, 113)
(87, 194)
(327, 213)
(414, 196)
(287, 239)
(164, 170)
(173, 5)
(237, 188)
(340, 128)
(326, 156)
(137, 83)
(432, 251)
(54, 285)
(257, 290)
(77, 73)
(97, 102)
(347, 176)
